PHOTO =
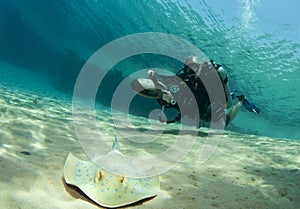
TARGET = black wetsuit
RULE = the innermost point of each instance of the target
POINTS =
(199, 91)
(193, 82)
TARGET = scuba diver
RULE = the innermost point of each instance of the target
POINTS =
(166, 88)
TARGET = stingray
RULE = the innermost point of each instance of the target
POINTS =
(109, 189)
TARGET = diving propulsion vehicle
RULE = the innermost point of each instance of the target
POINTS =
(158, 87)
(162, 88)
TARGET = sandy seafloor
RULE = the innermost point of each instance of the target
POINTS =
(37, 134)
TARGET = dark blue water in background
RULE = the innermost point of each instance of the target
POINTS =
(256, 41)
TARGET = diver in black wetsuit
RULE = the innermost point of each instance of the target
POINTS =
(188, 74)
(161, 87)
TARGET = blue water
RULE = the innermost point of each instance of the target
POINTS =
(257, 41)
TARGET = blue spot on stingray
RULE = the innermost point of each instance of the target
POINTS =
(91, 179)
(108, 189)
(131, 192)
(87, 174)
(102, 184)
(119, 196)
(79, 170)
(116, 190)
(102, 190)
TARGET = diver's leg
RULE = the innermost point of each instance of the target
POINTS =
(228, 96)
(233, 112)
(224, 77)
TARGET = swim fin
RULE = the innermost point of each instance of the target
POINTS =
(248, 104)
(232, 94)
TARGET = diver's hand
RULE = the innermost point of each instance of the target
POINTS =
(160, 118)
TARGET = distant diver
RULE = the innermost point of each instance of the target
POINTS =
(161, 88)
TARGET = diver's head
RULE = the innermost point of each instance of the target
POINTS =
(216, 66)
(191, 65)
